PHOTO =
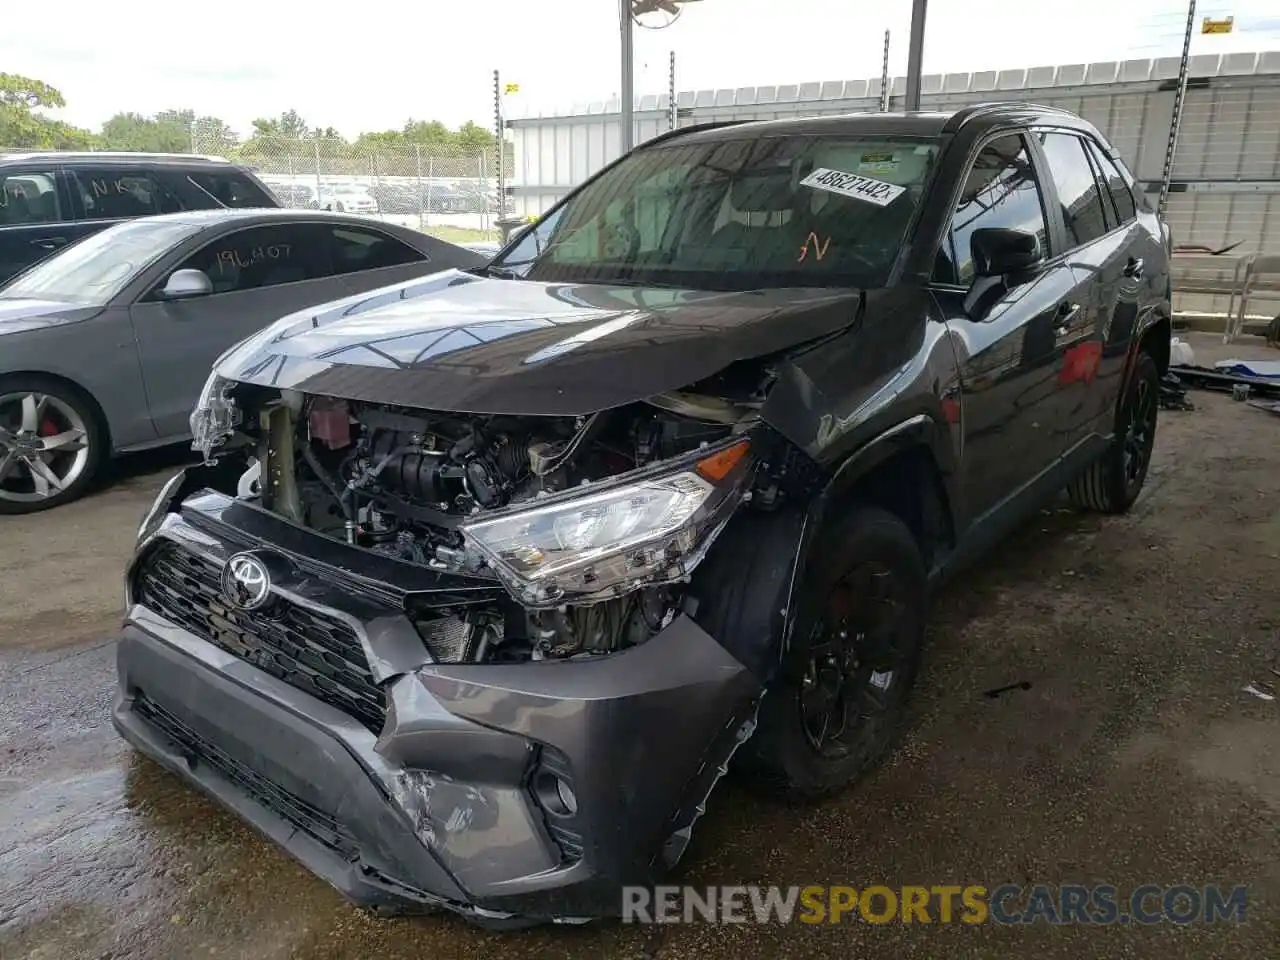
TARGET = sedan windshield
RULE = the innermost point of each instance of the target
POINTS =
(98, 267)
(736, 214)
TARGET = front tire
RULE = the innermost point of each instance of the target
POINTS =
(1112, 483)
(839, 700)
(51, 444)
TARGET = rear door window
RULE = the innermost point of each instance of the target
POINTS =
(1078, 193)
(114, 194)
(1114, 182)
(356, 249)
(30, 197)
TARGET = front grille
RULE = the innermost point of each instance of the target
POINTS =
(310, 820)
(312, 652)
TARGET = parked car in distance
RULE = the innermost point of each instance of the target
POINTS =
(396, 197)
(298, 196)
(487, 577)
(346, 198)
(49, 200)
(103, 346)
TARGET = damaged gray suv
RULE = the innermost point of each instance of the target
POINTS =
(487, 576)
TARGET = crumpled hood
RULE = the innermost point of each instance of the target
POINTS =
(456, 342)
(21, 314)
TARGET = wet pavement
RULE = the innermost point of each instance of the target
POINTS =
(1134, 755)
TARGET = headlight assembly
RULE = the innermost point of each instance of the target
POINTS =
(215, 417)
(605, 542)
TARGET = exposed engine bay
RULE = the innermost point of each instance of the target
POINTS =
(588, 527)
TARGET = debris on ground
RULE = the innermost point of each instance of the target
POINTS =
(1173, 395)
(1271, 406)
(1180, 352)
(1265, 369)
(1225, 381)
(1261, 695)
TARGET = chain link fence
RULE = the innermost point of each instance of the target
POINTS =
(451, 193)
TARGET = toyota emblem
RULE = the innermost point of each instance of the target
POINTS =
(246, 581)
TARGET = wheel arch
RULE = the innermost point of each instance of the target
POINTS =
(747, 593)
(1157, 341)
(915, 449)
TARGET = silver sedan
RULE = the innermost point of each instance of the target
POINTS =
(104, 347)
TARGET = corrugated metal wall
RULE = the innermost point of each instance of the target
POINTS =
(1226, 175)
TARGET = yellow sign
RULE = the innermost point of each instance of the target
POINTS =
(1216, 26)
(511, 88)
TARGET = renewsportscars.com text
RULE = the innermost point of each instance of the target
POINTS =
(944, 903)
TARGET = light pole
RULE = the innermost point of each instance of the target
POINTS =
(628, 76)
(915, 54)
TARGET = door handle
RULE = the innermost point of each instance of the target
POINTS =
(1134, 268)
(49, 243)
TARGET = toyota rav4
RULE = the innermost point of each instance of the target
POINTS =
(487, 576)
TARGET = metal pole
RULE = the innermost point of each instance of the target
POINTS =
(1175, 122)
(422, 208)
(673, 114)
(884, 76)
(915, 54)
(628, 77)
(315, 148)
(498, 129)
(502, 201)
(431, 179)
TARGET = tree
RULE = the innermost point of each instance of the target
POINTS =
(20, 124)
(133, 131)
(289, 126)
(473, 138)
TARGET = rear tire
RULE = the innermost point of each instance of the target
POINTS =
(1112, 483)
(839, 701)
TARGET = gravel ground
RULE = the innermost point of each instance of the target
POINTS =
(1133, 756)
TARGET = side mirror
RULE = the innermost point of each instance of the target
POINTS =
(184, 284)
(998, 251)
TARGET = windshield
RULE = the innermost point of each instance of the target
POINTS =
(736, 214)
(98, 267)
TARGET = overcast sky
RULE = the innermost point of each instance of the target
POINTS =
(371, 65)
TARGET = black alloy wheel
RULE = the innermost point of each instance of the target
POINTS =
(839, 700)
(1113, 482)
(855, 656)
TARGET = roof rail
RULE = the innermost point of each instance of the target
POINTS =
(110, 154)
(976, 110)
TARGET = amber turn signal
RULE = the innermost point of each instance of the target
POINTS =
(718, 466)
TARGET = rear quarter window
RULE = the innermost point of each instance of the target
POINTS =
(211, 189)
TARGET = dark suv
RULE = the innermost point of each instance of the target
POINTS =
(487, 576)
(48, 200)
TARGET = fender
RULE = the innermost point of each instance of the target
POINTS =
(763, 555)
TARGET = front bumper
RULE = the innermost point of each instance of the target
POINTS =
(451, 799)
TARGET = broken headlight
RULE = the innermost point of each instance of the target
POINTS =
(606, 542)
(215, 417)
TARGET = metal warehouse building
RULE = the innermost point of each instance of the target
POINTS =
(1224, 182)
